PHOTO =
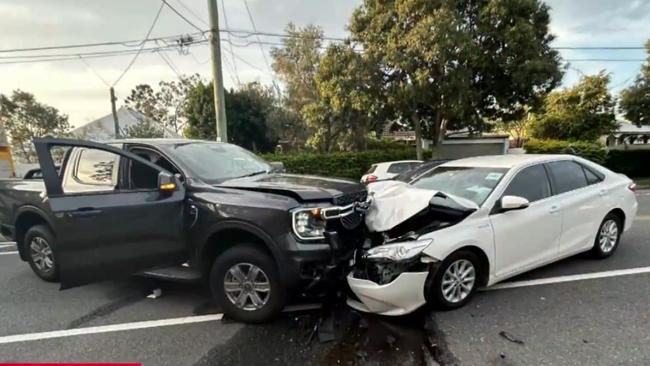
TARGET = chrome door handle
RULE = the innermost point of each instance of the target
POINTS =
(554, 209)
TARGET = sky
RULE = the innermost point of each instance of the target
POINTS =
(79, 89)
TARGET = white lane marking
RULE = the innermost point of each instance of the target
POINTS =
(642, 218)
(570, 278)
(7, 253)
(109, 328)
(5, 245)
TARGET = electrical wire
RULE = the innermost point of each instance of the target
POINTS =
(94, 71)
(181, 3)
(234, 64)
(169, 63)
(250, 17)
(135, 57)
(182, 16)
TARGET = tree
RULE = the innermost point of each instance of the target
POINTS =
(349, 101)
(24, 119)
(252, 114)
(582, 112)
(450, 64)
(146, 128)
(164, 106)
(635, 100)
(296, 64)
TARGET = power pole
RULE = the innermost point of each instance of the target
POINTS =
(116, 122)
(217, 75)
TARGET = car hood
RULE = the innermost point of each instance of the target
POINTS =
(393, 202)
(303, 188)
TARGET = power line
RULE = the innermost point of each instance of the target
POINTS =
(182, 16)
(169, 63)
(135, 57)
(94, 71)
(250, 17)
(181, 3)
(598, 48)
(234, 64)
(604, 60)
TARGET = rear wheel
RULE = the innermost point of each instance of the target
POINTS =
(38, 244)
(245, 281)
(455, 280)
(608, 236)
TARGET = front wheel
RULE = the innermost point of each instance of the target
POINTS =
(455, 280)
(245, 281)
(608, 236)
(38, 244)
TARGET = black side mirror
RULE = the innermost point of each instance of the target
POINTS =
(166, 183)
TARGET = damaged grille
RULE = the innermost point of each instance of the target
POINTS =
(347, 199)
(383, 272)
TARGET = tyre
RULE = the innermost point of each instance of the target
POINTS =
(245, 281)
(455, 281)
(608, 236)
(39, 243)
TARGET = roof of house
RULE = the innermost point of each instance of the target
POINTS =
(103, 129)
(626, 127)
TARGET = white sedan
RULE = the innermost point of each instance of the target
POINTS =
(477, 221)
(388, 170)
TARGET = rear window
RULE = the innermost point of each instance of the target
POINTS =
(568, 176)
(592, 177)
(397, 168)
(372, 169)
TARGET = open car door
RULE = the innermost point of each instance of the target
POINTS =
(104, 229)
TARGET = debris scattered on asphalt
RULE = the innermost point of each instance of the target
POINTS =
(326, 329)
(585, 341)
(155, 294)
(510, 337)
(502, 355)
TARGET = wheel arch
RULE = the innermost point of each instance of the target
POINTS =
(484, 270)
(225, 235)
(620, 214)
(27, 217)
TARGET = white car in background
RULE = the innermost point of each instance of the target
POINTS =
(388, 170)
(474, 222)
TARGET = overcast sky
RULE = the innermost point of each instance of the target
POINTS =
(77, 91)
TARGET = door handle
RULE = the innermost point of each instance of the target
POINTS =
(554, 209)
(602, 192)
(84, 212)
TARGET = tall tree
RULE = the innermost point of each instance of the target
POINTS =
(164, 106)
(449, 64)
(296, 64)
(635, 100)
(25, 118)
(252, 113)
(582, 112)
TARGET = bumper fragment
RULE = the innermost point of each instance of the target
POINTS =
(401, 296)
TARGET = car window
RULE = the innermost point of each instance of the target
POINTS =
(397, 168)
(567, 175)
(592, 177)
(143, 177)
(372, 169)
(95, 170)
(531, 183)
(472, 183)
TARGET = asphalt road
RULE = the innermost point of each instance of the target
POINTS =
(596, 321)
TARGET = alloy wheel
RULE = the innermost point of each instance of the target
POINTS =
(458, 281)
(41, 253)
(247, 286)
(608, 236)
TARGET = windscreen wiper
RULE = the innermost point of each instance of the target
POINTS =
(254, 173)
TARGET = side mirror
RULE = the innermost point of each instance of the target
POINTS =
(166, 183)
(509, 203)
(277, 167)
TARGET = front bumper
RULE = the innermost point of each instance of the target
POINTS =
(403, 295)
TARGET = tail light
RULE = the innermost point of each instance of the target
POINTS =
(371, 178)
(632, 187)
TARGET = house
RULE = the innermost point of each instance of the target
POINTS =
(628, 136)
(103, 129)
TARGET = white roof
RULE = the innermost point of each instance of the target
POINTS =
(505, 161)
(103, 129)
(626, 127)
(398, 161)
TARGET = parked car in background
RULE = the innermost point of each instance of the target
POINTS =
(182, 210)
(418, 170)
(388, 170)
(474, 222)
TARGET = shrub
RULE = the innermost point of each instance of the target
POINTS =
(633, 163)
(588, 150)
(350, 165)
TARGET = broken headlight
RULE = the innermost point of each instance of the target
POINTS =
(308, 223)
(398, 251)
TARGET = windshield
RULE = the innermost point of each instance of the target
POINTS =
(475, 184)
(215, 162)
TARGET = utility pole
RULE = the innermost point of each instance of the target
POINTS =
(116, 122)
(217, 75)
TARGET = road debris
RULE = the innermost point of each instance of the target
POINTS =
(156, 293)
(510, 337)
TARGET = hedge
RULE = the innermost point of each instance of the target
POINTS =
(350, 165)
(633, 163)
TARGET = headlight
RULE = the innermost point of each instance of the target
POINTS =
(398, 251)
(308, 224)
